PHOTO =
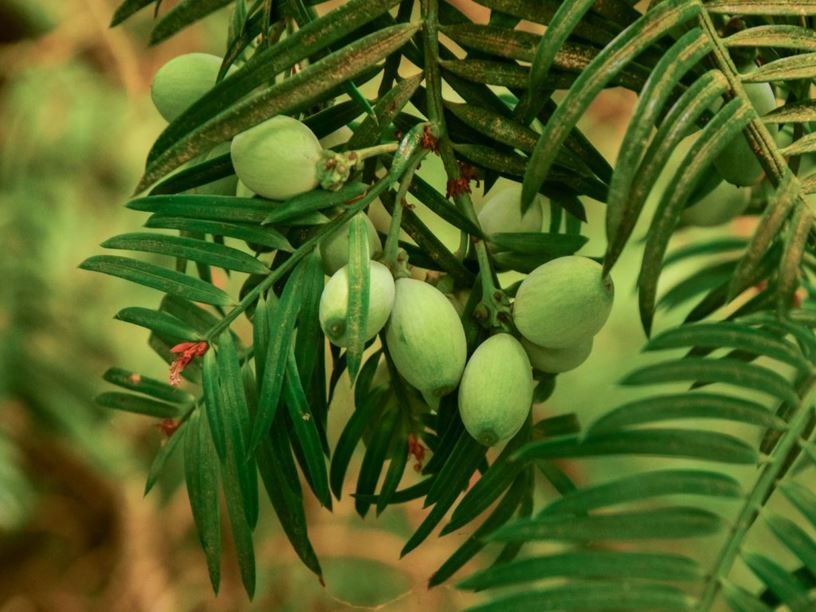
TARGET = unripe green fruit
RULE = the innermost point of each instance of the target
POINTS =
(278, 158)
(334, 247)
(737, 162)
(722, 204)
(425, 338)
(496, 391)
(380, 217)
(502, 212)
(556, 360)
(334, 303)
(182, 81)
(709, 180)
(563, 302)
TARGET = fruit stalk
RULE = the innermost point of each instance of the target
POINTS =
(772, 471)
(380, 149)
(334, 169)
(492, 300)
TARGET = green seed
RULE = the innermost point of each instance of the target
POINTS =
(277, 159)
(722, 204)
(334, 303)
(182, 81)
(737, 162)
(425, 338)
(563, 302)
(496, 391)
(502, 212)
(556, 360)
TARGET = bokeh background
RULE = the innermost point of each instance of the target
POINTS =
(76, 532)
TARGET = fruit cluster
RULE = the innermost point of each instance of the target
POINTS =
(557, 310)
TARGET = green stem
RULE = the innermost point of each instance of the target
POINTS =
(760, 139)
(381, 149)
(433, 82)
(464, 243)
(299, 254)
(392, 240)
(763, 488)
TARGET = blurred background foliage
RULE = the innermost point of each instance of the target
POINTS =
(75, 531)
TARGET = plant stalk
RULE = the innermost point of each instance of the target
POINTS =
(763, 488)
(497, 311)
(760, 139)
(381, 149)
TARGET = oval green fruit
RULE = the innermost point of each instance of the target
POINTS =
(334, 303)
(334, 247)
(563, 302)
(425, 338)
(719, 206)
(737, 162)
(278, 158)
(557, 360)
(182, 81)
(502, 212)
(496, 391)
(380, 217)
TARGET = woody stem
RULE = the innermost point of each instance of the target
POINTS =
(497, 311)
